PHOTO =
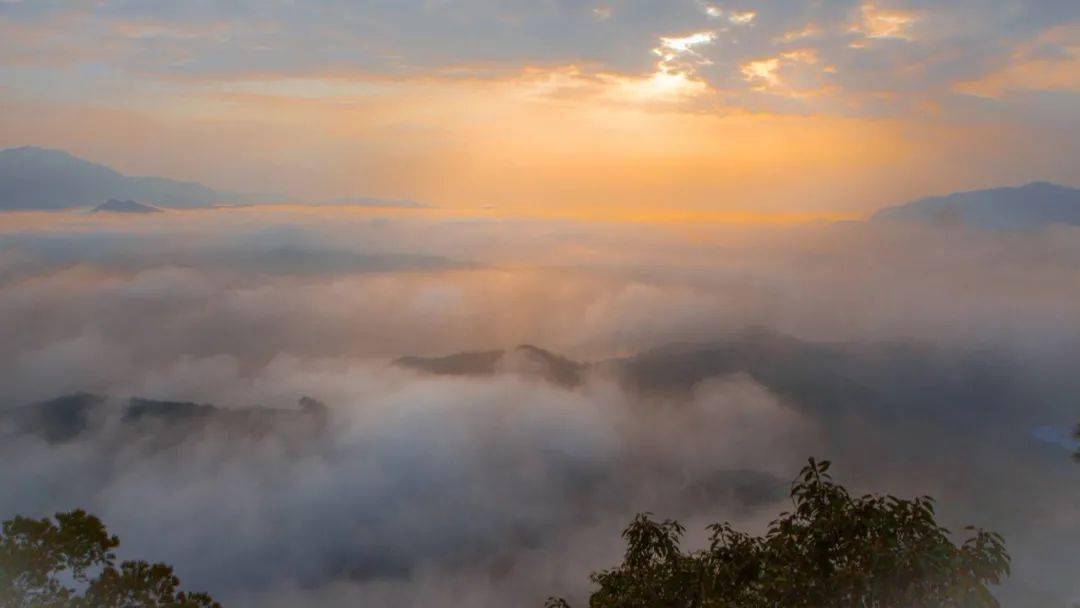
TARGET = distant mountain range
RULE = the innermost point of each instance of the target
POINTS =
(525, 358)
(860, 396)
(118, 206)
(1034, 205)
(34, 178)
(886, 380)
(41, 179)
(68, 417)
(892, 383)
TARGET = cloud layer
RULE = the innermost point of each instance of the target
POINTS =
(505, 488)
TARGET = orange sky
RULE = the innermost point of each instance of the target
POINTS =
(697, 128)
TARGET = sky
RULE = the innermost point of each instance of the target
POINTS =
(586, 109)
(615, 181)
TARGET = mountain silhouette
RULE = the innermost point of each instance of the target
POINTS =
(66, 418)
(883, 380)
(1034, 205)
(44, 179)
(525, 359)
(118, 206)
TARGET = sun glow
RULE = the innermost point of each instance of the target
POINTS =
(672, 47)
(674, 77)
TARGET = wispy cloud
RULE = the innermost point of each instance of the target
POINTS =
(873, 21)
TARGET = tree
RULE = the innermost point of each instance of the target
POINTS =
(69, 563)
(831, 550)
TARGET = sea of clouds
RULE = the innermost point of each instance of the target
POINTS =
(502, 489)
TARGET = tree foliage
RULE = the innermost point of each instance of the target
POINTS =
(831, 550)
(69, 563)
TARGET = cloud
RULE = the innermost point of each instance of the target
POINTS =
(876, 22)
(222, 44)
(712, 10)
(734, 17)
(763, 71)
(420, 482)
(809, 31)
(672, 47)
(764, 74)
(741, 17)
(1051, 62)
(506, 488)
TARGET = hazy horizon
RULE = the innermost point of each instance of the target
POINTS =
(578, 107)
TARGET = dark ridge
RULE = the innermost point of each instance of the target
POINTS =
(460, 364)
(42, 179)
(118, 206)
(552, 367)
(145, 409)
(57, 420)
(827, 379)
(65, 418)
(1034, 205)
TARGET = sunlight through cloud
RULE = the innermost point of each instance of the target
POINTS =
(876, 22)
